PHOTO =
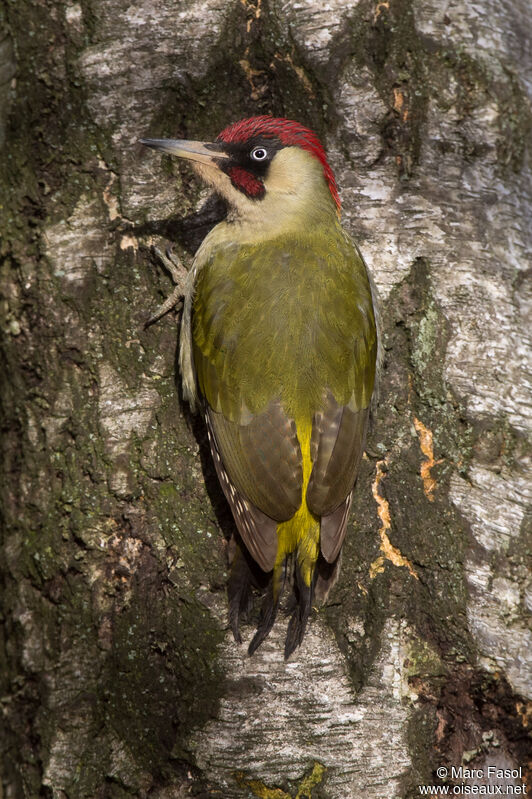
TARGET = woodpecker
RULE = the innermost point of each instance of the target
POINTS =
(278, 350)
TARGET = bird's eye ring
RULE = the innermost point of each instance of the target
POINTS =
(259, 154)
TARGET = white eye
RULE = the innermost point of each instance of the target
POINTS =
(259, 154)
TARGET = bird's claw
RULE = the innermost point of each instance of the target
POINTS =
(172, 263)
(173, 301)
(178, 272)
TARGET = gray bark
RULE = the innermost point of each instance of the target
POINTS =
(118, 675)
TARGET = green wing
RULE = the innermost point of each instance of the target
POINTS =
(263, 459)
(337, 444)
(256, 528)
(284, 331)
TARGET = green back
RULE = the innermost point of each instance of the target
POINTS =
(287, 318)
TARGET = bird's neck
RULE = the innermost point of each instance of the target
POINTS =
(280, 213)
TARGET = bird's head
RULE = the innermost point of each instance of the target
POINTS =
(266, 168)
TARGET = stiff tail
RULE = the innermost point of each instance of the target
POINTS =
(270, 603)
(300, 607)
(244, 576)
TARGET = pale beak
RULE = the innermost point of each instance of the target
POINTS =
(204, 152)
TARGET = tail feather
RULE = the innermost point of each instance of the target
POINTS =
(243, 578)
(270, 604)
(268, 612)
(303, 595)
(308, 578)
(326, 576)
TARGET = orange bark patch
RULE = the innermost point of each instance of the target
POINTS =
(253, 8)
(254, 76)
(251, 74)
(425, 442)
(398, 99)
(383, 510)
(399, 104)
(380, 7)
(300, 72)
(525, 711)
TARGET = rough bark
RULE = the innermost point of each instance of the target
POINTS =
(118, 674)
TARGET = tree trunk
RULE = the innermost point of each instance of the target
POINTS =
(118, 676)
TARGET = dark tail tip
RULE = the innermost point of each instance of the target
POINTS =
(268, 612)
(300, 615)
(296, 630)
(239, 592)
(270, 603)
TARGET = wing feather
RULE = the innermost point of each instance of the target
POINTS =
(337, 444)
(338, 436)
(262, 459)
(333, 530)
(258, 531)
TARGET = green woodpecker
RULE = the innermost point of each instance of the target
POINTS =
(278, 349)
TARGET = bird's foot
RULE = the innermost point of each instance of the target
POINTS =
(178, 272)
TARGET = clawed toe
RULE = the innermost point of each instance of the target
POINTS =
(178, 272)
